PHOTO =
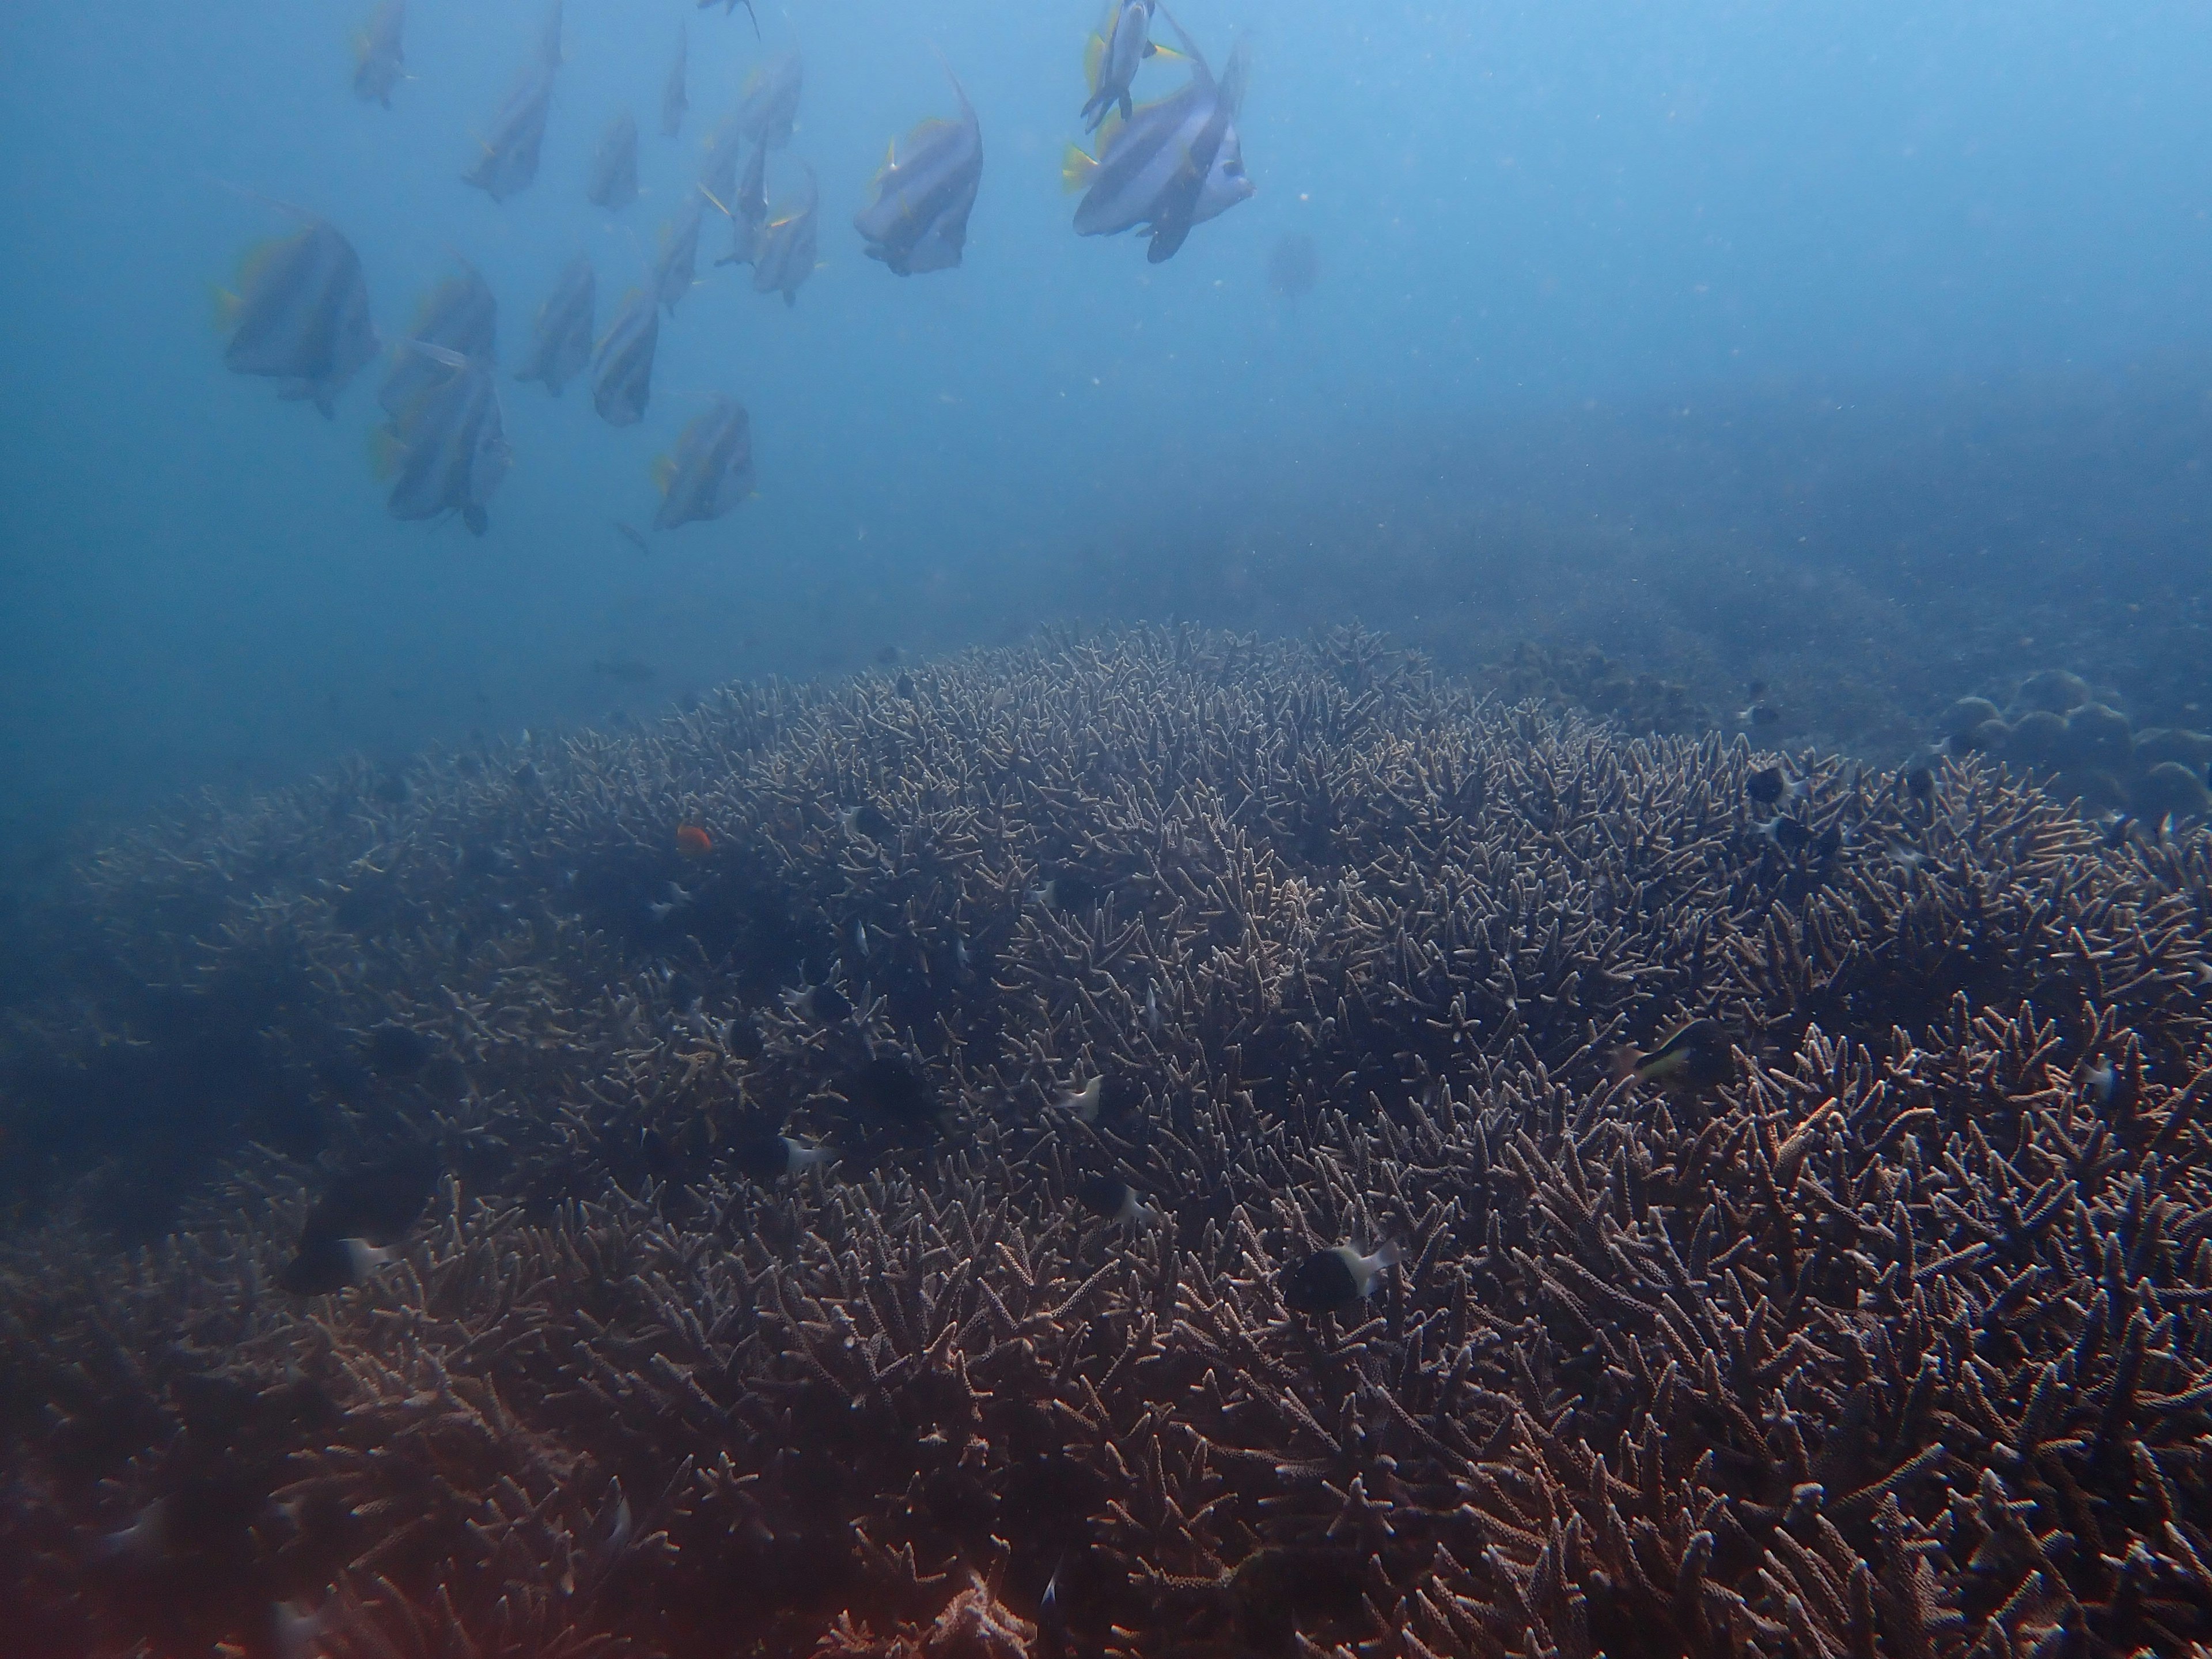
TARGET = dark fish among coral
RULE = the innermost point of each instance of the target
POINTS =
(677, 266)
(784, 252)
(379, 62)
(361, 1214)
(447, 453)
(509, 161)
(622, 370)
(1112, 56)
(630, 671)
(773, 1157)
(398, 1050)
(925, 190)
(459, 314)
(675, 102)
(300, 316)
(1175, 163)
(1294, 265)
(633, 535)
(711, 469)
(1696, 1055)
(1112, 1199)
(894, 1093)
(868, 819)
(1333, 1281)
(561, 337)
(613, 182)
(768, 104)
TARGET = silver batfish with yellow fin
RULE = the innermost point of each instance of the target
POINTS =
(710, 470)
(925, 190)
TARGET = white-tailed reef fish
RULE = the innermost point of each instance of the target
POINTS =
(1111, 58)
(1334, 1281)
(378, 64)
(679, 263)
(459, 314)
(768, 102)
(749, 212)
(560, 338)
(925, 190)
(675, 102)
(729, 6)
(300, 316)
(613, 183)
(509, 158)
(783, 252)
(709, 471)
(447, 452)
(1175, 162)
(622, 370)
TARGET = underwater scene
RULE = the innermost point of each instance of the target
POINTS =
(1099, 831)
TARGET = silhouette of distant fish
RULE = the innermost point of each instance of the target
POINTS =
(459, 314)
(622, 370)
(379, 65)
(729, 6)
(678, 265)
(748, 211)
(560, 338)
(783, 249)
(925, 190)
(509, 161)
(768, 101)
(447, 453)
(301, 315)
(675, 102)
(613, 183)
(711, 469)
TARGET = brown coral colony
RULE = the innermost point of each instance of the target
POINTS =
(1155, 1145)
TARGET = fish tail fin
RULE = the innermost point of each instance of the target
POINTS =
(1389, 1254)
(1624, 1060)
(1075, 167)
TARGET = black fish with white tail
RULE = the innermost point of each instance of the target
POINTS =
(1335, 1281)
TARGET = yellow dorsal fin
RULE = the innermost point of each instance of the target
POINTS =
(1075, 167)
(664, 472)
(1094, 54)
(223, 307)
(1167, 54)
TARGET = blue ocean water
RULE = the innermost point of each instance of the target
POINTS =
(1822, 332)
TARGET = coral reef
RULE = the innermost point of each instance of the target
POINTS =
(1888, 1332)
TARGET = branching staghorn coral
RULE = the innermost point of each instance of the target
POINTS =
(1895, 1341)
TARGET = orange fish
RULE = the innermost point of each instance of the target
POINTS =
(693, 842)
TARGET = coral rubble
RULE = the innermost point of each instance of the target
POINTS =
(1889, 1333)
